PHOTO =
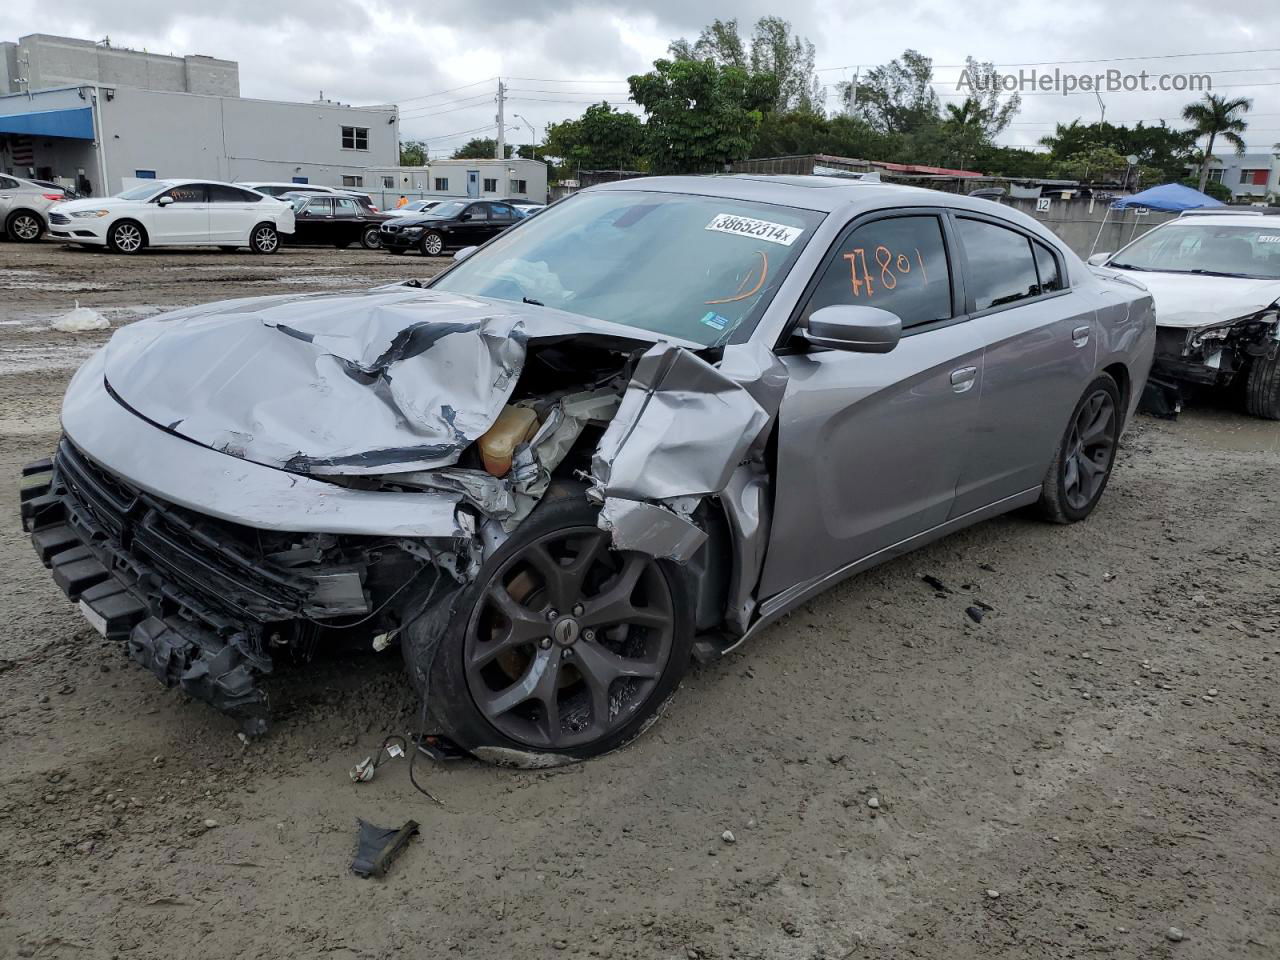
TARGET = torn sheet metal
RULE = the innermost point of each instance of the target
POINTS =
(651, 528)
(392, 379)
(684, 425)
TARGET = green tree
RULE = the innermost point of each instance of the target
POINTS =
(700, 115)
(601, 139)
(480, 148)
(413, 153)
(1214, 117)
(719, 42)
(896, 97)
(774, 50)
(1163, 153)
(1218, 191)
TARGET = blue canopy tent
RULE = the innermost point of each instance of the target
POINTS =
(1168, 197)
(1171, 197)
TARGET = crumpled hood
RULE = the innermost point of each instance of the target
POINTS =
(390, 379)
(1188, 301)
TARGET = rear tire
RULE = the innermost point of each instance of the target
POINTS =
(126, 236)
(371, 239)
(264, 239)
(23, 226)
(1262, 388)
(594, 708)
(1082, 465)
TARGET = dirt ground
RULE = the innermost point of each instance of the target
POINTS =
(1094, 763)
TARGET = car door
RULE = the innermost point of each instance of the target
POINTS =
(232, 213)
(475, 228)
(347, 220)
(1039, 350)
(185, 220)
(870, 446)
(314, 222)
(502, 216)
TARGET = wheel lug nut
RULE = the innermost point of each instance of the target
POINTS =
(589, 636)
(552, 614)
(568, 652)
(545, 643)
(577, 609)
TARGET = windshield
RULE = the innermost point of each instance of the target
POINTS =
(297, 203)
(447, 210)
(144, 191)
(1232, 250)
(697, 268)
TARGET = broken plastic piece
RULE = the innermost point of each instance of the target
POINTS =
(514, 426)
(363, 771)
(376, 847)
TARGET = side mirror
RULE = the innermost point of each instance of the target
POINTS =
(465, 216)
(854, 328)
(164, 201)
(1098, 259)
(464, 253)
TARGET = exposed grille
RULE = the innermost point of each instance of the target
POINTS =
(59, 218)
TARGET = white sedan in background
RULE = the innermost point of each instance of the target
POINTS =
(175, 213)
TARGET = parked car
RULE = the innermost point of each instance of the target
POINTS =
(415, 206)
(68, 193)
(639, 428)
(450, 224)
(279, 189)
(1215, 279)
(24, 207)
(166, 213)
(333, 220)
(526, 207)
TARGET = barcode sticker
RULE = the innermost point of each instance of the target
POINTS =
(755, 229)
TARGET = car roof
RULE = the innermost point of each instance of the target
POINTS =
(1269, 220)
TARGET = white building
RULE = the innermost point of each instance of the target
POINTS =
(499, 179)
(124, 115)
(1248, 176)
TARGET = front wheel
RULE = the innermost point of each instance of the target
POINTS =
(432, 244)
(562, 648)
(24, 226)
(1262, 388)
(264, 239)
(1082, 465)
(126, 237)
(371, 239)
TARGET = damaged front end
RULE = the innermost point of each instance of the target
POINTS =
(1214, 354)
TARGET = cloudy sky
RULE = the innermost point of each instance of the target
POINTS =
(439, 61)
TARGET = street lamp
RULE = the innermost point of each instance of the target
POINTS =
(533, 135)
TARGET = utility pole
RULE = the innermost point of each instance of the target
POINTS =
(500, 151)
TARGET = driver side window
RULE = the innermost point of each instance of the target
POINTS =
(188, 193)
(478, 211)
(898, 264)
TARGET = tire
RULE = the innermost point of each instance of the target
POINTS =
(264, 239)
(371, 239)
(23, 226)
(476, 679)
(1262, 388)
(1085, 456)
(431, 244)
(126, 236)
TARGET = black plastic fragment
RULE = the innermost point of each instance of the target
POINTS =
(975, 613)
(1161, 398)
(376, 847)
(934, 582)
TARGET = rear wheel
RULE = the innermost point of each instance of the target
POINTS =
(126, 237)
(24, 226)
(1082, 465)
(432, 244)
(1262, 388)
(264, 239)
(371, 239)
(562, 648)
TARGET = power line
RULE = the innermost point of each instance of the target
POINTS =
(441, 93)
(1052, 63)
(477, 104)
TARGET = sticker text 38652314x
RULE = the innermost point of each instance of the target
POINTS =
(755, 229)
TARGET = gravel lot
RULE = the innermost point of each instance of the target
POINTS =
(1096, 762)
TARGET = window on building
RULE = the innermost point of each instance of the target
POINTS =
(1254, 177)
(442, 184)
(355, 138)
(349, 181)
(388, 183)
(519, 186)
(145, 174)
(1215, 176)
(898, 264)
(490, 184)
(1001, 266)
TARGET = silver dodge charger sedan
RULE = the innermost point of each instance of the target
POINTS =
(630, 431)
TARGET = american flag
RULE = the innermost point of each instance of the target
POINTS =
(24, 154)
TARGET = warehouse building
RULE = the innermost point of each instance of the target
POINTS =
(98, 118)
(510, 179)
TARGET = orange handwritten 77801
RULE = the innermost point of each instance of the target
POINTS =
(892, 267)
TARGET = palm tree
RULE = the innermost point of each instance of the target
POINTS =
(1217, 116)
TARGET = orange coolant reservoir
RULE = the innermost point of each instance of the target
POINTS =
(513, 427)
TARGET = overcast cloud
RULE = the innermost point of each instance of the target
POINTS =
(558, 57)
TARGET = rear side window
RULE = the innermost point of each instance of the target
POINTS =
(1002, 269)
(345, 207)
(1047, 267)
(898, 264)
(221, 193)
(320, 207)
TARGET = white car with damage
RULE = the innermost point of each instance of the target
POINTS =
(175, 213)
(1215, 280)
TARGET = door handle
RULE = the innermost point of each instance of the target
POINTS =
(963, 378)
(1080, 335)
